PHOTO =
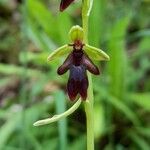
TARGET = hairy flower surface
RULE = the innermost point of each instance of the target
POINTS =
(64, 4)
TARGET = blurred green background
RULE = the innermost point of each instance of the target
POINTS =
(30, 88)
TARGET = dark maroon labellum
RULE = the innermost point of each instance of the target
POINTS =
(77, 63)
(64, 4)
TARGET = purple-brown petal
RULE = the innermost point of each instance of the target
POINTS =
(65, 66)
(90, 65)
(64, 4)
(83, 88)
(72, 89)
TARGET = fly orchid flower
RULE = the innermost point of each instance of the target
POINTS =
(64, 4)
(78, 62)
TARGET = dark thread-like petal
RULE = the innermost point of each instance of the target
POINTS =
(90, 65)
(64, 4)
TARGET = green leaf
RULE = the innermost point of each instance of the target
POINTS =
(141, 142)
(45, 18)
(62, 124)
(79, 143)
(128, 112)
(117, 67)
(39, 37)
(34, 58)
(64, 20)
(145, 131)
(17, 70)
(95, 53)
(61, 51)
(143, 48)
(7, 129)
(99, 120)
(97, 23)
(142, 99)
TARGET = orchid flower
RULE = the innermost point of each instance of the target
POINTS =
(78, 62)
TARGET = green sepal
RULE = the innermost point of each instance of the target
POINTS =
(95, 53)
(58, 53)
(76, 33)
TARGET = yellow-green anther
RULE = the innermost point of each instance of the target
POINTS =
(76, 33)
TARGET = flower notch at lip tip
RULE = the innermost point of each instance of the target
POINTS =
(64, 4)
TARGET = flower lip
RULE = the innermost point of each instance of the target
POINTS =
(78, 63)
(77, 83)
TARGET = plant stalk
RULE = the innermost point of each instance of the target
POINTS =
(88, 104)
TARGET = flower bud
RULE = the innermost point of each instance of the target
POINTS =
(64, 4)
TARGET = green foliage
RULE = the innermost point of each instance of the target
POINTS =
(62, 124)
(30, 88)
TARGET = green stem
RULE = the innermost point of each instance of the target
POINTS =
(88, 105)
